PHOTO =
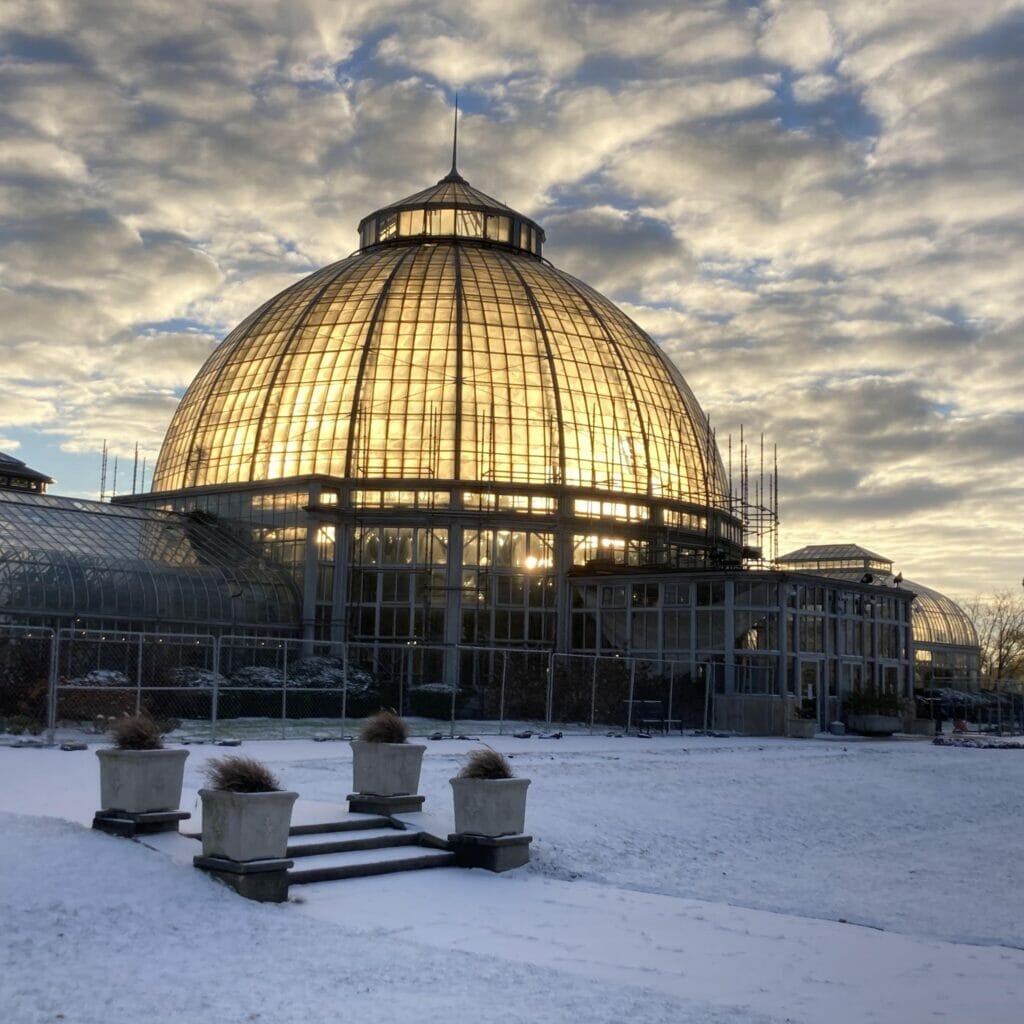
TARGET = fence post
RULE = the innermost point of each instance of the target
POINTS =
(284, 693)
(632, 689)
(548, 711)
(217, 641)
(707, 694)
(51, 702)
(138, 677)
(593, 692)
(455, 691)
(344, 686)
(671, 693)
(501, 701)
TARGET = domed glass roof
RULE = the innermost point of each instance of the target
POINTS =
(445, 349)
(940, 620)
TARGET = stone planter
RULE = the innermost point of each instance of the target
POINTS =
(140, 781)
(802, 728)
(386, 769)
(490, 807)
(246, 826)
(874, 725)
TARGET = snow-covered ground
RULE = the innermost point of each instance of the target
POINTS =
(674, 879)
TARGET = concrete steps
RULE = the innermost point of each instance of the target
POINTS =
(360, 846)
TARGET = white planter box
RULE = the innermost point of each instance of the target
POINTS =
(490, 807)
(874, 725)
(386, 769)
(246, 826)
(139, 781)
(802, 728)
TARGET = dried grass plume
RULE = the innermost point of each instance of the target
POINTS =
(485, 763)
(237, 774)
(136, 732)
(384, 727)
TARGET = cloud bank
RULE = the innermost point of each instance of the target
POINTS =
(816, 208)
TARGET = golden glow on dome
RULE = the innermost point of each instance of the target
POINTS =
(444, 360)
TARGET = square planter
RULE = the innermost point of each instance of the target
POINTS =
(874, 725)
(490, 807)
(802, 728)
(386, 769)
(138, 781)
(246, 826)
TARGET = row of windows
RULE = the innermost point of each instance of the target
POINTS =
(392, 225)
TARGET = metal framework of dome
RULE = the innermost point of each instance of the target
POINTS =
(447, 352)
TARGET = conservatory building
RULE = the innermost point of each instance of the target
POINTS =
(945, 640)
(443, 447)
(435, 433)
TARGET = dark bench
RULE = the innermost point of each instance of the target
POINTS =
(643, 714)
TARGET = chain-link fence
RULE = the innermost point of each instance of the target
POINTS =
(26, 657)
(103, 675)
(203, 687)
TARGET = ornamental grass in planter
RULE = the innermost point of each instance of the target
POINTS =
(384, 762)
(138, 774)
(246, 814)
(489, 799)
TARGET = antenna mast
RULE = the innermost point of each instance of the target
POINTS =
(103, 472)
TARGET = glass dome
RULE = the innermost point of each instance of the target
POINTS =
(445, 351)
(939, 620)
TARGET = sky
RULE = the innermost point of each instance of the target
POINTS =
(816, 208)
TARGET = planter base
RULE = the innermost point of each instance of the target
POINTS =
(265, 881)
(138, 823)
(370, 803)
(493, 854)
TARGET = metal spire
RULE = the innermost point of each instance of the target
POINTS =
(453, 174)
(455, 136)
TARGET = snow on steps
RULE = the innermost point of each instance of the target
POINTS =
(361, 846)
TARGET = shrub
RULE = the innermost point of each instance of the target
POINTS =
(101, 677)
(136, 732)
(871, 702)
(201, 678)
(384, 727)
(257, 677)
(485, 763)
(24, 723)
(238, 774)
(317, 673)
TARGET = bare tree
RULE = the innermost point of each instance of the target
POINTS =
(999, 620)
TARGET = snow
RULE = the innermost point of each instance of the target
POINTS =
(684, 879)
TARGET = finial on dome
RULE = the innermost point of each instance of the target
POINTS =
(453, 174)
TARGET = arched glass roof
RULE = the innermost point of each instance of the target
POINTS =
(937, 620)
(450, 358)
(66, 557)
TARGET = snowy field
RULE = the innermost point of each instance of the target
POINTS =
(673, 879)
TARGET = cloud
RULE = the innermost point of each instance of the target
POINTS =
(813, 206)
(799, 35)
